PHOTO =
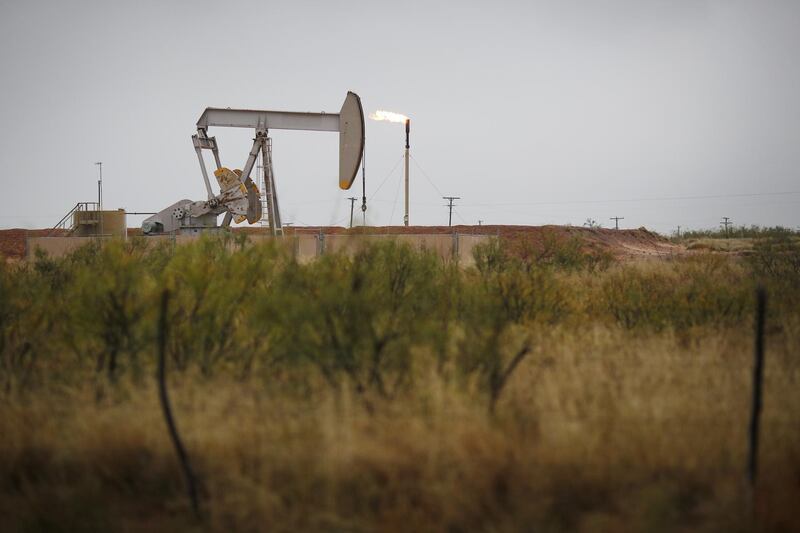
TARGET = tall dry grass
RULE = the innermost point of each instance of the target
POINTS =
(357, 394)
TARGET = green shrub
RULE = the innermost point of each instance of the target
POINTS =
(358, 318)
(738, 232)
(508, 291)
(365, 320)
(696, 291)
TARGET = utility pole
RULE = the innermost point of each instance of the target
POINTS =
(616, 221)
(679, 231)
(450, 205)
(352, 204)
(726, 222)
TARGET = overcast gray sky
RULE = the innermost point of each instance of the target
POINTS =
(665, 112)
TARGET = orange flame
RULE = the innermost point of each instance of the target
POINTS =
(388, 116)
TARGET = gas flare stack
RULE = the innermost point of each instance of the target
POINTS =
(398, 118)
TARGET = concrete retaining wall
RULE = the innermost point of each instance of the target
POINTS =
(56, 246)
(452, 246)
(305, 247)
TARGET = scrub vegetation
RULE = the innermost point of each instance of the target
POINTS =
(548, 388)
(738, 239)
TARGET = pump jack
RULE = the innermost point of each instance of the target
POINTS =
(239, 198)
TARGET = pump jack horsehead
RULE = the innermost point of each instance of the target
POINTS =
(239, 198)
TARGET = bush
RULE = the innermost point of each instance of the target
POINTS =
(366, 321)
(697, 291)
(358, 318)
(738, 232)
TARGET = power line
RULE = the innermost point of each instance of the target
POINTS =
(647, 199)
(425, 174)
(389, 175)
(394, 202)
(460, 217)
(616, 221)
(336, 222)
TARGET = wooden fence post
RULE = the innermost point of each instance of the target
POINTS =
(758, 386)
(183, 457)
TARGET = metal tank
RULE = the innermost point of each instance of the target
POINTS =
(96, 223)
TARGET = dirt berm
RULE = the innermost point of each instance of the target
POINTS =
(623, 244)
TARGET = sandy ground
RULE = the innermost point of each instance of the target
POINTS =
(628, 243)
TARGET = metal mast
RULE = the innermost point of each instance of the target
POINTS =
(270, 192)
(408, 129)
(262, 187)
(100, 196)
(364, 185)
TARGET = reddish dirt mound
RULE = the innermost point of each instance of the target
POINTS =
(12, 241)
(630, 243)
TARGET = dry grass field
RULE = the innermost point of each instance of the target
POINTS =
(550, 388)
